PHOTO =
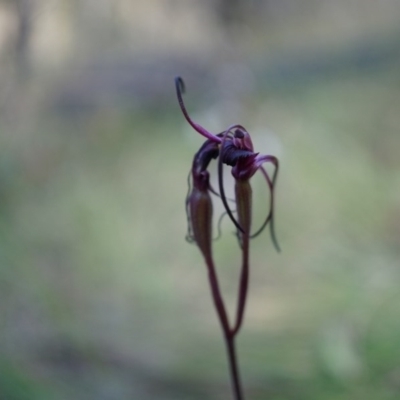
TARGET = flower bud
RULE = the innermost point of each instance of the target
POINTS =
(200, 206)
(243, 195)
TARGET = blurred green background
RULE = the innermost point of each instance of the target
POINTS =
(101, 297)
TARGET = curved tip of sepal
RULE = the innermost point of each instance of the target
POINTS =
(180, 84)
(273, 236)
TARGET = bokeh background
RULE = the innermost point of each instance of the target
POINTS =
(101, 297)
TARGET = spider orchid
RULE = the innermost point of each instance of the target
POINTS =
(234, 148)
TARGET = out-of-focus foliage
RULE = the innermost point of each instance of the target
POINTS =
(101, 297)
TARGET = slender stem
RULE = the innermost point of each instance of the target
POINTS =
(229, 337)
(243, 285)
(217, 298)
(233, 364)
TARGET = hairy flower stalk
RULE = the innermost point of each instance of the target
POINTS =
(233, 148)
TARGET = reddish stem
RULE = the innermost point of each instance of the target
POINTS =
(243, 285)
(234, 369)
(229, 336)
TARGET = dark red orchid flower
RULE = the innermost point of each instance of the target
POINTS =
(234, 148)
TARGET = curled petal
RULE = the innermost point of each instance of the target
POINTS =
(207, 152)
(247, 167)
(221, 181)
(270, 216)
(242, 140)
(261, 159)
(230, 154)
